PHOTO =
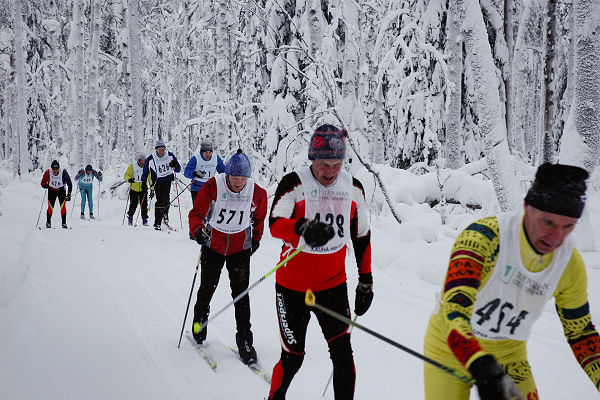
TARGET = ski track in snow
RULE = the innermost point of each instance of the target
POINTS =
(95, 312)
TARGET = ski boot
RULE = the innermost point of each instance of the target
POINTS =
(130, 220)
(48, 225)
(144, 221)
(200, 336)
(244, 341)
(157, 227)
(82, 216)
(64, 225)
(92, 216)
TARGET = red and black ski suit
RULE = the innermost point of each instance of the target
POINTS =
(234, 250)
(55, 192)
(324, 274)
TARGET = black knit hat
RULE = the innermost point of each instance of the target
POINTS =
(327, 143)
(88, 167)
(558, 189)
(54, 164)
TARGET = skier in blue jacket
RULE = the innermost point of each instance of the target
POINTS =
(202, 167)
(162, 165)
(85, 180)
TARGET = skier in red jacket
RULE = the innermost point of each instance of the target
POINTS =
(55, 182)
(323, 207)
(228, 221)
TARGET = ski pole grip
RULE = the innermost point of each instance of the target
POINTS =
(309, 299)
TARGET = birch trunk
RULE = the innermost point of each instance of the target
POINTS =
(92, 104)
(453, 148)
(493, 128)
(549, 106)
(78, 117)
(587, 79)
(508, 82)
(135, 59)
(22, 162)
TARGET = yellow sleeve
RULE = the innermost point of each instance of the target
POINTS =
(574, 311)
(472, 259)
(128, 173)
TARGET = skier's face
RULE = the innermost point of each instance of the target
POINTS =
(207, 154)
(326, 171)
(237, 183)
(54, 171)
(142, 162)
(161, 151)
(546, 231)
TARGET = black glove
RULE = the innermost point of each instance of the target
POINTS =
(315, 233)
(45, 186)
(492, 383)
(99, 176)
(68, 197)
(151, 193)
(364, 294)
(199, 174)
(173, 164)
(202, 236)
(255, 246)
(132, 180)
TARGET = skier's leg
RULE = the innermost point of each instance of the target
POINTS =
(293, 316)
(62, 194)
(83, 192)
(211, 264)
(133, 202)
(52, 195)
(238, 267)
(337, 335)
(90, 197)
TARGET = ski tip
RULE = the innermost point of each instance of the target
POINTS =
(309, 299)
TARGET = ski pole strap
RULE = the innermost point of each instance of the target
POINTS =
(310, 301)
(245, 292)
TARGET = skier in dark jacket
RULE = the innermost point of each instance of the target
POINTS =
(162, 165)
(54, 180)
(202, 167)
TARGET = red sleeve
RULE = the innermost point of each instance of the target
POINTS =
(45, 178)
(206, 195)
(258, 219)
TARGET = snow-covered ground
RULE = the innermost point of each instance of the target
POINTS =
(95, 312)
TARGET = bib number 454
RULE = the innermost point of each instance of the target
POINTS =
(493, 308)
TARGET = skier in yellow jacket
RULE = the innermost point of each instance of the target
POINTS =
(503, 269)
(137, 193)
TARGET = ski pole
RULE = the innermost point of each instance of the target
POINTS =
(179, 204)
(310, 301)
(125, 212)
(331, 375)
(198, 326)
(98, 213)
(74, 200)
(190, 298)
(41, 207)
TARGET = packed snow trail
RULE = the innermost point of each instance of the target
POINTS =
(95, 312)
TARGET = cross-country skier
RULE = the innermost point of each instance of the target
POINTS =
(201, 167)
(162, 166)
(138, 193)
(85, 179)
(54, 180)
(323, 207)
(228, 221)
(503, 270)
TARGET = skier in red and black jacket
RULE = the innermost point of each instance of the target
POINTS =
(228, 221)
(55, 182)
(323, 207)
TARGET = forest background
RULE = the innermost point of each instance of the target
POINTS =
(490, 87)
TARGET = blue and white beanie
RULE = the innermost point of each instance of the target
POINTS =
(238, 165)
(159, 143)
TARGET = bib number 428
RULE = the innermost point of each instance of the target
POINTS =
(497, 312)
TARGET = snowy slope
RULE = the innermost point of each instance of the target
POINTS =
(95, 312)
